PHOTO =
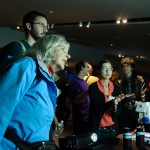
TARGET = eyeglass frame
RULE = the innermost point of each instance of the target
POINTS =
(107, 69)
(42, 25)
(87, 66)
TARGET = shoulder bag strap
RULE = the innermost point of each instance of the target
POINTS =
(87, 78)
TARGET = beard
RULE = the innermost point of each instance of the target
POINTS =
(35, 35)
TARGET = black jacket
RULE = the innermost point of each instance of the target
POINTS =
(98, 105)
(137, 85)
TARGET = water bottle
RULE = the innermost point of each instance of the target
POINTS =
(140, 137)
(59, 128)
(127, 138)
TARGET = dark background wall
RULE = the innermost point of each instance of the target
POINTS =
(78, 51)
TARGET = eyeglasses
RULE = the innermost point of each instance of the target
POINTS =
(107, 69)
(42, 25)
(87, 66)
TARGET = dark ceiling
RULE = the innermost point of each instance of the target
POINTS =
(131, 39)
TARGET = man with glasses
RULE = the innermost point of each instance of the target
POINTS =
(35, 26)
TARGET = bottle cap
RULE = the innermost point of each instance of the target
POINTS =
(126, 129)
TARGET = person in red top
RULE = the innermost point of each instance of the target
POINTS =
(104, 97)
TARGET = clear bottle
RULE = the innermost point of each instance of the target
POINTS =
(59, 128)
(127, 138)
(140, 137)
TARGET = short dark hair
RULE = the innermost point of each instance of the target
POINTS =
(103, 62)
(30, 17)
(79, 65)
(128, 61)
(100, 64)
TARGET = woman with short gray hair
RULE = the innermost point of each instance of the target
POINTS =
(28, 110)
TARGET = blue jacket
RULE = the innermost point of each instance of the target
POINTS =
(27, 101)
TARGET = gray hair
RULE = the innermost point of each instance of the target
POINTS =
(41, 49)
(44, 45)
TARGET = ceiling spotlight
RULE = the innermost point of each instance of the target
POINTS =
(80, 24)
(118, 21)
(119, 55)
(50, 11)
(18, 27)
(111, 44)
(142, 57)
(88, 25)
(124, 20)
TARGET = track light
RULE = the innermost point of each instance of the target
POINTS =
(19, 27)
(124, 20)
(95, 23)
(80, 24)
(88, 25)
(120, 55)
(121, 21)
(118, 21)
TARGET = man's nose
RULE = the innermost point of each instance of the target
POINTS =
(45, 29)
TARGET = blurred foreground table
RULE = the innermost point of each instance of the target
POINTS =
(117, 144)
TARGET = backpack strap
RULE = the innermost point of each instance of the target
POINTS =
(22, 45)
(87, 78)
(23, 145)
(13, 137)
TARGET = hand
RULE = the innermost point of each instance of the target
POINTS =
(122, 96)
(115, 107)
(119, 98)
(59, 128)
